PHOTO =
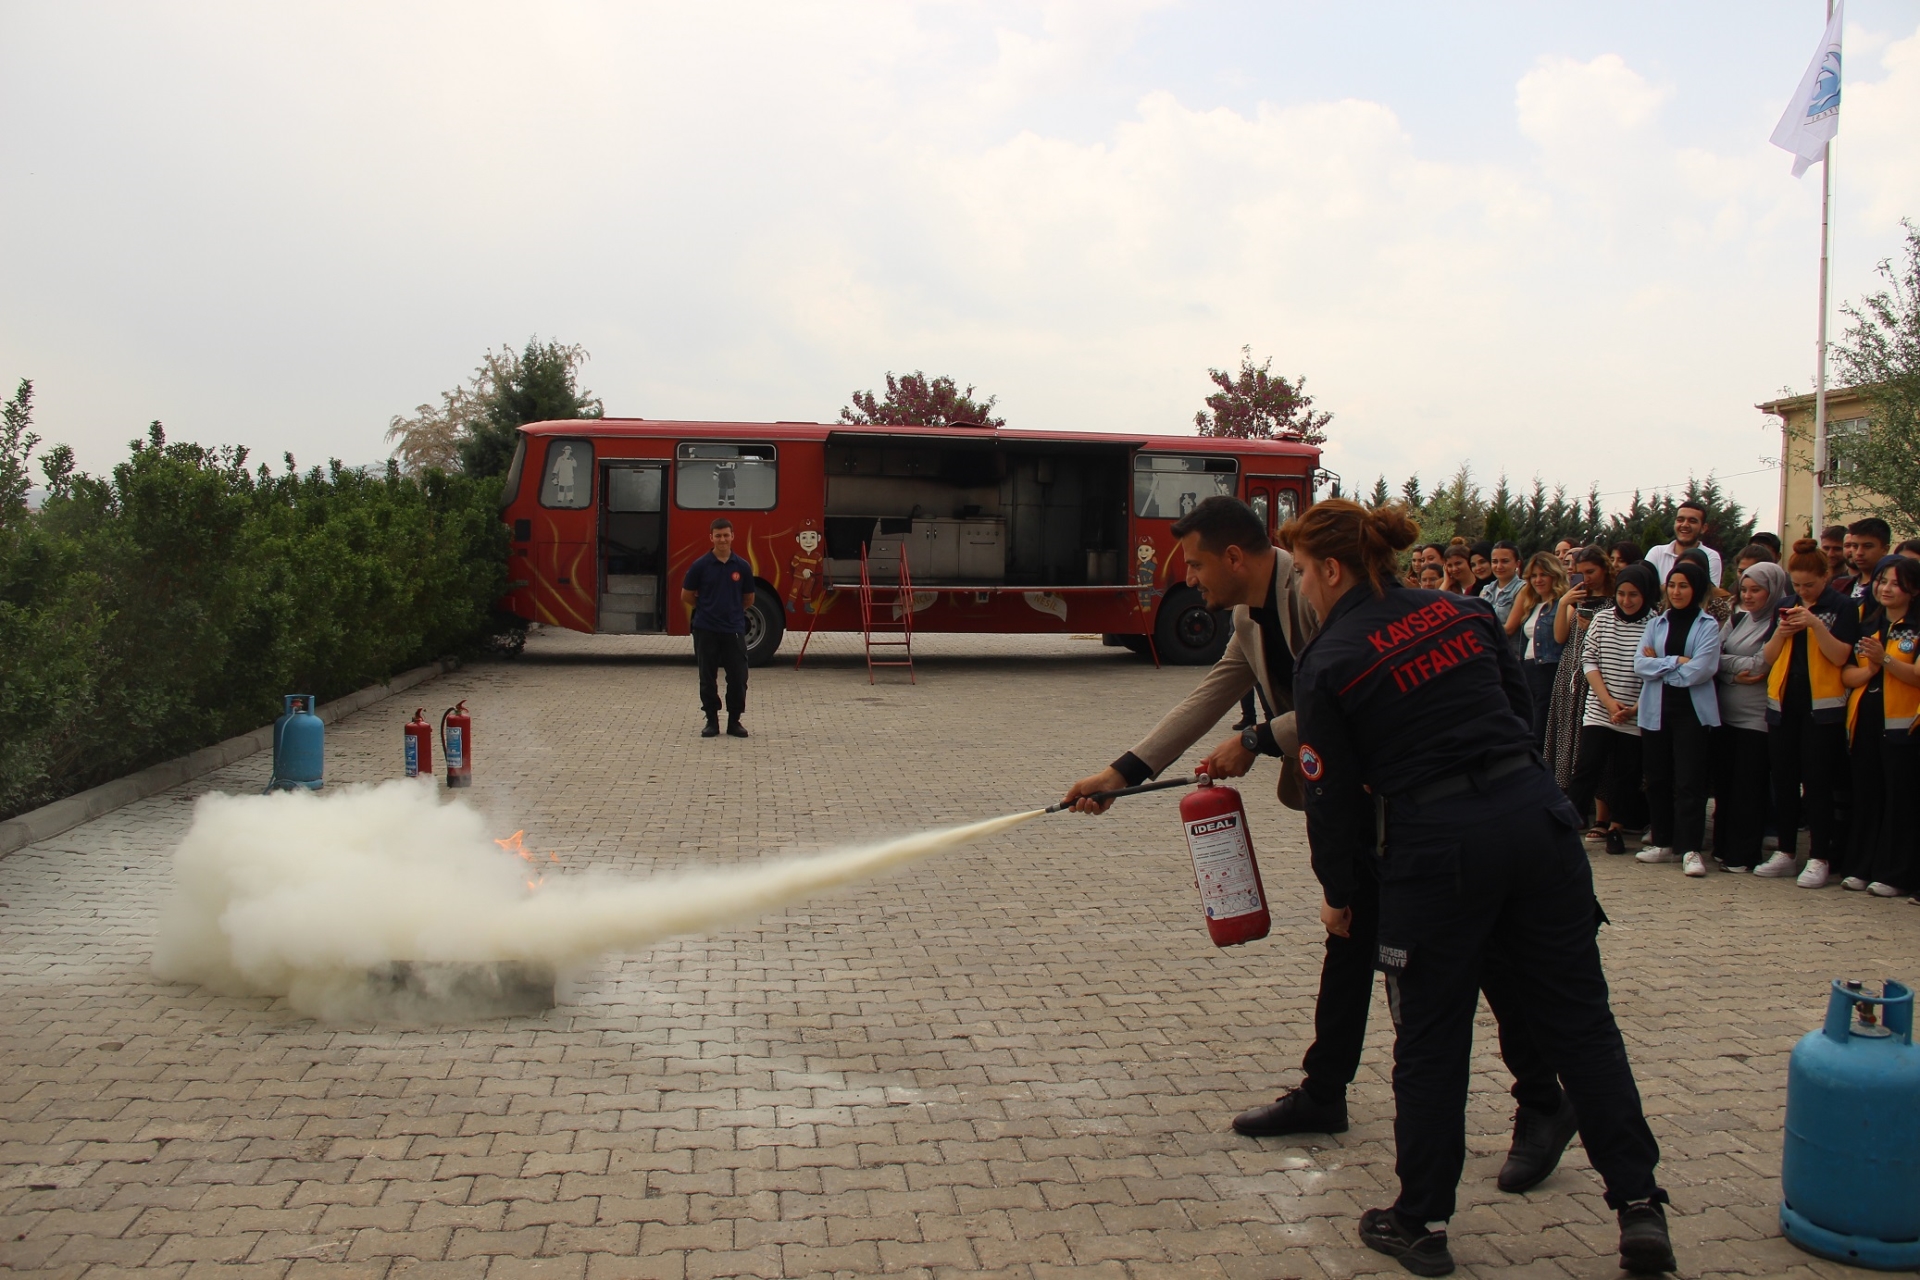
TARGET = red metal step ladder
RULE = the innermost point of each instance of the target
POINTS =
(887, 635)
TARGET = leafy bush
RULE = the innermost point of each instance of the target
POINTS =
(169, 605)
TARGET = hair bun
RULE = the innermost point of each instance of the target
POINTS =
(1392, 526)
(1802, 546)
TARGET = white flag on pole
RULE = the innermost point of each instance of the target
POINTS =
(1813, 117)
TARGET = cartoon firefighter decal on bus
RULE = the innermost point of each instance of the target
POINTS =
(807, 572)
(1146, 573)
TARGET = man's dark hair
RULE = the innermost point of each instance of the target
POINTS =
(1759, 551)
(1224, 522)
(1834, 533)
(1911, 547)
(1770, 540)
(1691, 504)
(1629, 552)
(719, 523)
(1504, 545)
(1872, 527)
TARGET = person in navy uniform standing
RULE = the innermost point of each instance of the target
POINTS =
(719, 589)
(1416, 747)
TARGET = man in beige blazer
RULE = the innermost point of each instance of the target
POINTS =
(1231, 561)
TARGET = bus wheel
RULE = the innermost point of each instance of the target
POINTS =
(1187, 633)
(766, 625)
(1131, 643)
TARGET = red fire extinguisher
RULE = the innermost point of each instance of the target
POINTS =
(419, 744)
(456, 739)
(1223, 864)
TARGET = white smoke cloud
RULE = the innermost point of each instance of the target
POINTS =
(305, 895)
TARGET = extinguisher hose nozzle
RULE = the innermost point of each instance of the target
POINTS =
(1103, 796)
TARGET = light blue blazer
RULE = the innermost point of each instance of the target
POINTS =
(1696, 674)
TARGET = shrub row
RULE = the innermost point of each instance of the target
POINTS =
(169, 605)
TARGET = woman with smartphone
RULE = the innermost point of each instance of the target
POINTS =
(1567, 709)
(1740, 769)
(1807, 710)
(1529, 628)
(1880, 715)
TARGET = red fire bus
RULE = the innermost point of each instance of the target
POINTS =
(1011, 531)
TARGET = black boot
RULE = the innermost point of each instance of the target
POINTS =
(713, 727)
(1419, 1250)
(1616, 843)
(1645, 1247)
(734, 728)
(1540, 1138)
(1292, 1112)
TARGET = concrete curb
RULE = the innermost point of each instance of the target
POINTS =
(64, 815)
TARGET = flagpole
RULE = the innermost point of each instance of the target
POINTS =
(1819, 511)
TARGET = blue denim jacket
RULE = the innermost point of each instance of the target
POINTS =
(1546, 649)
(1695, 675)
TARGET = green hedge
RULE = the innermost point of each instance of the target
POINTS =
(170, 605)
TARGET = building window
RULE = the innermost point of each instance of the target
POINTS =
(567, 482)
(1843, 438)
(725, 477)
(1167, 486)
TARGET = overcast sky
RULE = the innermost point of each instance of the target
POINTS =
(1545, 238)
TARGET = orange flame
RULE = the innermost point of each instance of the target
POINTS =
(516, 845)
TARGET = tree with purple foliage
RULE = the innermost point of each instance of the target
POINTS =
(1256, 405)
(915, 400)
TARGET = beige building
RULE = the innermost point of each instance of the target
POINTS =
(1846, 417)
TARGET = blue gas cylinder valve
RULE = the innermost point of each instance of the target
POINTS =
(299, 746)
(1850, 1168)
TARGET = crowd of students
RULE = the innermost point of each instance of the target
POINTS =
(1789, 703)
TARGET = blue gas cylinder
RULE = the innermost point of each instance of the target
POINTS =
(299, 746)
(1850, 1171)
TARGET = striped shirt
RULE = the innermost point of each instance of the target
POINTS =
(1611, 648)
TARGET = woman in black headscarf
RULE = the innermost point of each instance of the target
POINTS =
(1679, 657)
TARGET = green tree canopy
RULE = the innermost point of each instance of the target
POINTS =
(915, 400)
(1880, 354)
(1253, 404)
(476, 426)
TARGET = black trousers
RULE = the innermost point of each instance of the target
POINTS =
(1740, 786)
(1540, 684)
(1346, 997)
(712, 651)
(1807, 758)
(1675, 757)
(1608, 765)
(1499, 879)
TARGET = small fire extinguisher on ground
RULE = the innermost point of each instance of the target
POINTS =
(1224, 868)
(419, 744)
(456, 739)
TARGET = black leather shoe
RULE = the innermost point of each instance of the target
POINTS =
(1292, 1112)
(1540, 1138)
(1420, 1251)
(735, 729)
(1645, 1247)
(712, 730)
(1616, 843)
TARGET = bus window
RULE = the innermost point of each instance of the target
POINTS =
(633, 489)
(1286, 504)
(1167, 486)
(722, 477)
(567, 482)
(510, 489)
(1259, 505)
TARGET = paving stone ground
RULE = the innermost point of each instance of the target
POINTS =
(1015, 1060)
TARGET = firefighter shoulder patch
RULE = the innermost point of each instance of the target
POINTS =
(1311, 766)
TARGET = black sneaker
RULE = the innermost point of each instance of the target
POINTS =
(1419, 1250)
(1616, 843)
(735, 729)
(1540, 1138)
(712, 730)
(1292, 1112)
(1645, 1247)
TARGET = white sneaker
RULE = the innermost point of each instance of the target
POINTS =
(1815, 876)
(1738, 871)
(1853, 884)
(1881, 889)
(1693, 864)
(1651, 854)
(1780, 864)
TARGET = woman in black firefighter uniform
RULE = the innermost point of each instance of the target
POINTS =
(1415, 743)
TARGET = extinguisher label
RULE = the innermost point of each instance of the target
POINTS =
(1223, 867)
(413, 756)
(456, 749)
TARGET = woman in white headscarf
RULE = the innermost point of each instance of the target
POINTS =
(1740, 768)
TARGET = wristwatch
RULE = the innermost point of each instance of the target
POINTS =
(1250, 738)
